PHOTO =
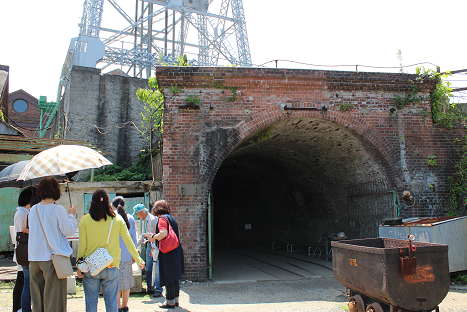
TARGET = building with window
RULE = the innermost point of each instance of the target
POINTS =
(23, 112)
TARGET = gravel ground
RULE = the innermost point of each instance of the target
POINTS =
(318, 294)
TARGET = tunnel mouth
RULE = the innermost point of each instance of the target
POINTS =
(291, 181)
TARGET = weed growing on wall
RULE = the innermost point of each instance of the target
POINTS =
(193, 100)
(263, 136)
(432, 162)
(233, 89)
(457, 185)
(444, 113)
(345, 107)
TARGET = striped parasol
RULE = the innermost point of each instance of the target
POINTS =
(9, 176)
(62, 159)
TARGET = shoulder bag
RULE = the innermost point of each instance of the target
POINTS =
(61, 263)
(100, 259)
(21, 249)
(170, 242)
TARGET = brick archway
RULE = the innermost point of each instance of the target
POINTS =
(236, 102)
(276, 113)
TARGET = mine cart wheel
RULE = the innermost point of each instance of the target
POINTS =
(359, 301)
(374, 307)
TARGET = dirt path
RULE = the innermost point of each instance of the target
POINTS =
(313, 295)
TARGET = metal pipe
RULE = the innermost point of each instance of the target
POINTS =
(305, 108)
(166, 34)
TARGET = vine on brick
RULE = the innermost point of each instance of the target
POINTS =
(457, 185)
(233, 98)
(446, 114)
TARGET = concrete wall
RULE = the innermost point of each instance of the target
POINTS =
(104, 110)
(122, 188)
(9, 201)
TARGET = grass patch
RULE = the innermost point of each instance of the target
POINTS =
(344, 307)
(459, 278)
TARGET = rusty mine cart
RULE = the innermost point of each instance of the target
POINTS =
(392, 275)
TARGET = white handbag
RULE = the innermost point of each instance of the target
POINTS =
(61, 263)
(99, 259)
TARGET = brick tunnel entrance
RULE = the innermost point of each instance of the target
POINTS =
(290, 155)
(289, 182)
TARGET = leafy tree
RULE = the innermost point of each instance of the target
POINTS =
(153, 114)
(153, 117)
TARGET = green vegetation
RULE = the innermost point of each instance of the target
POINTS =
(139, 172)
(152, 128)
(459, 278)
(175, 90)
(345, 107)
(411, 97)
(442, 111)
(193, 100)
(457, 184)
(445, 114)
(262, 136)
(432, 162)
(233, 98)
(344, 307)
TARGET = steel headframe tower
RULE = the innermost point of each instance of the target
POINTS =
(160, 32)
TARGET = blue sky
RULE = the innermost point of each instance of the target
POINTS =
(35, 36)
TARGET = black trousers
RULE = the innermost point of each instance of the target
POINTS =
(172, 292)
(18, 290)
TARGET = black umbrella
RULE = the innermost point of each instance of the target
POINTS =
(9, 175)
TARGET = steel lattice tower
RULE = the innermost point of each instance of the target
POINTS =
(159, 32)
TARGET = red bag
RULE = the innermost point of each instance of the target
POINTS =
(170, 242)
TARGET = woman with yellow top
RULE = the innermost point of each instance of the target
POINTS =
(93, 231)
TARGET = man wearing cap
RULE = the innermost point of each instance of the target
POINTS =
(142, 213)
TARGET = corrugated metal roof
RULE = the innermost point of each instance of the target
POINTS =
(14, 148)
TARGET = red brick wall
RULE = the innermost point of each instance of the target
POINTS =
(192, 155)
(28, 120)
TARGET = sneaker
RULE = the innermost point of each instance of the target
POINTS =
(165, 305)
(157, 294)
(148, 291)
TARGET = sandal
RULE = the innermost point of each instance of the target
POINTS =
(165, 305)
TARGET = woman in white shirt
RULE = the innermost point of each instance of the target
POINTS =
(26, 200)
(21, 213)
(48, 292)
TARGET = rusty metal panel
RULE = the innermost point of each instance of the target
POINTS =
(8, 204)
(368, 204)
(439, 230)
(371, 267)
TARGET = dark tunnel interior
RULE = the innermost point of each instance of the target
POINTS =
(289, 181)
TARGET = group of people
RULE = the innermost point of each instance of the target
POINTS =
(107, 225)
